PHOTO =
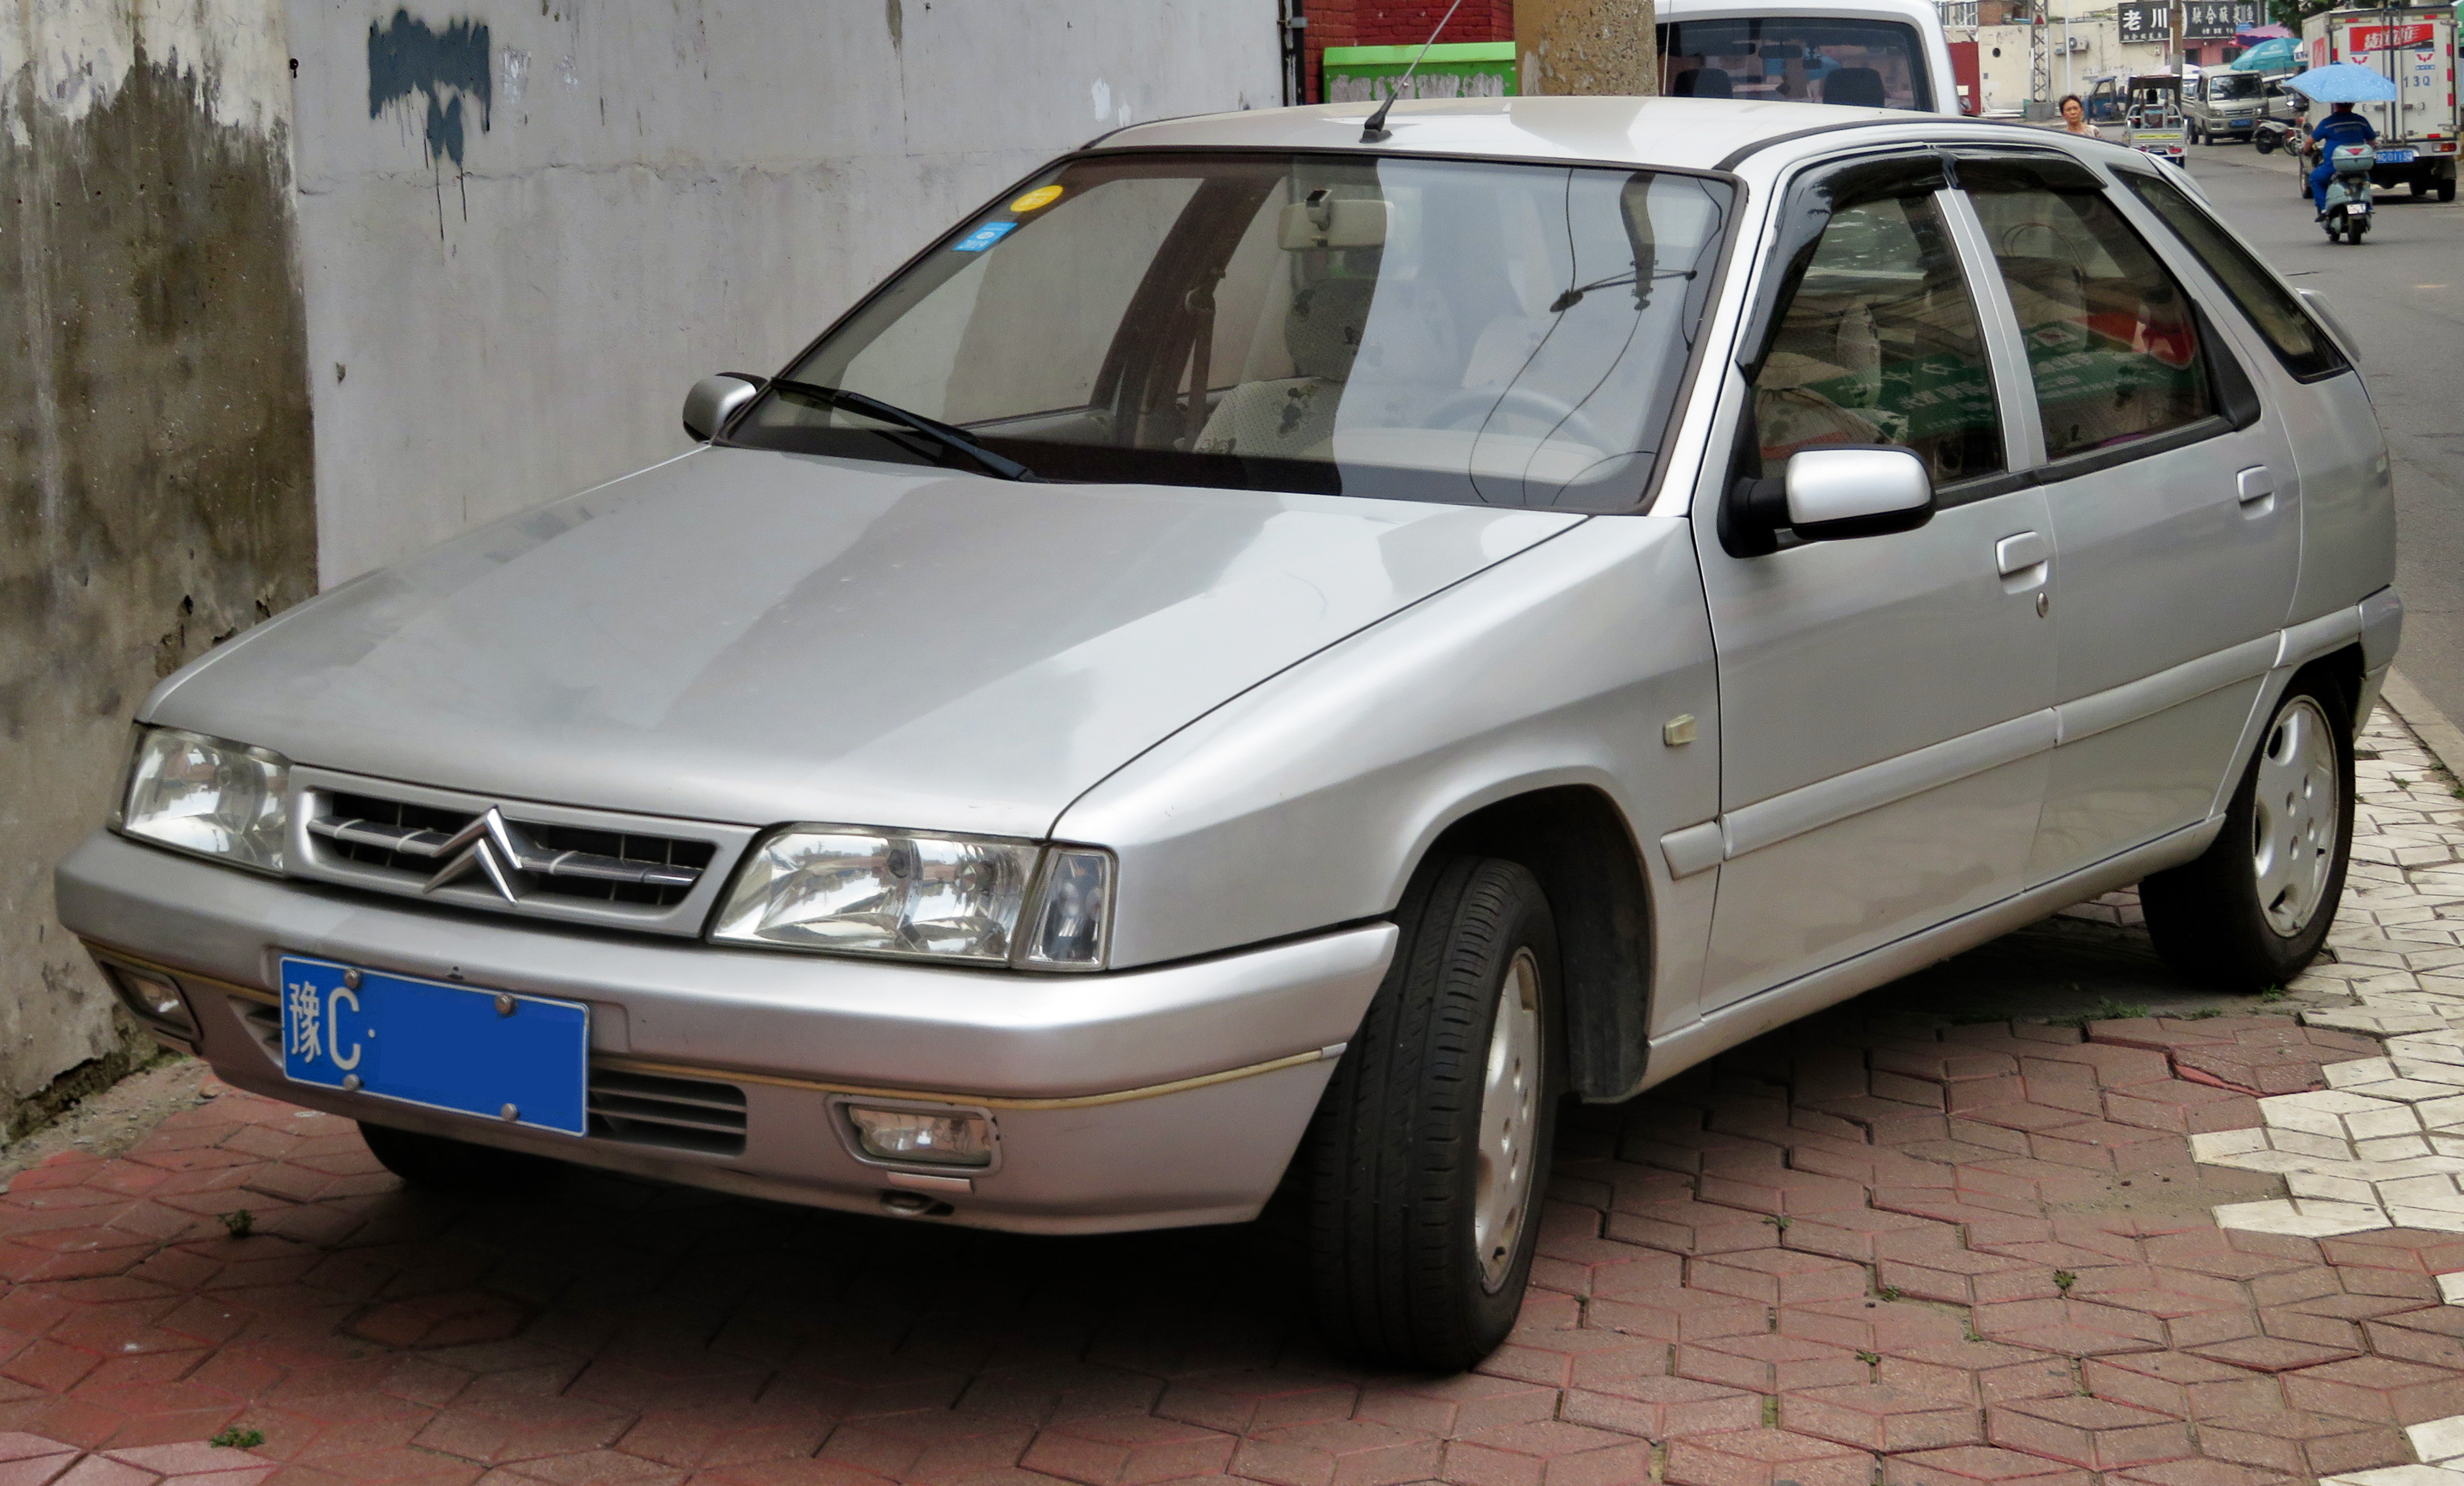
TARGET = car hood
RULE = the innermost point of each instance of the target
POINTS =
(756, 637)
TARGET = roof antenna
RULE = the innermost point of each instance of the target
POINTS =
(1376, 130)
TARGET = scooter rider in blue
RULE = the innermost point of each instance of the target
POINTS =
(2342, 126)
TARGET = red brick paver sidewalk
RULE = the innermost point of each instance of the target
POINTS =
(1954, 1255)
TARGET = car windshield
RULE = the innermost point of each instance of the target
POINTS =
(1417, 329)
(2234, 85)
(1803, 60)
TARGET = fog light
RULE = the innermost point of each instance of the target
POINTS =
(152, 998)
(945, 1137)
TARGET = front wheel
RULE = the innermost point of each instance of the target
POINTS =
(1430, 1148)
(2252, 911)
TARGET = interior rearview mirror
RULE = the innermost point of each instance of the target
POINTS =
(715, 400)
(1826, 494)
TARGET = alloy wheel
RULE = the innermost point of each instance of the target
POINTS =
(1509, 1121)
(2294, 817)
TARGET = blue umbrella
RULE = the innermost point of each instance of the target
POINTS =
(2343, 82)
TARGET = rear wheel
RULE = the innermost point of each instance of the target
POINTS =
(442, 1165)
(2446, 189)
(2254, 910)
(1430, 1149)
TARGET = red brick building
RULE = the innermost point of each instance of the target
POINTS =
(1398, 23)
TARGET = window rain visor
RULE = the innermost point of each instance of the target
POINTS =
(1795, 59)
(216, 799)
(1413, 329)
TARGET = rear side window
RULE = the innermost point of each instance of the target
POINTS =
(2113, 344)
(2297, 341)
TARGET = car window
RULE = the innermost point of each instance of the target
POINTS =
(2299, 342)
(1880, 345)
(1797, 59)
(2112, 341)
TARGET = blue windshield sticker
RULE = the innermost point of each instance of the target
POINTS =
(985, 237)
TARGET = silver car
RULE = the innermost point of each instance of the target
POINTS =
(1266, 657)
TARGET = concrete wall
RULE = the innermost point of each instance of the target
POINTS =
(155, 490)
(527, 226)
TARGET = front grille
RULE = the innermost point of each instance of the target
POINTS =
(566, 860)
(680, 1114)
(264, 1023)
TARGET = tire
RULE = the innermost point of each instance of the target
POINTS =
(2446, 189)
(1430, 1149)
(2252, 911)
(453, 1165)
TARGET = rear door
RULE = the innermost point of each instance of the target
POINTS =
(1883, 700)
(2174, 503)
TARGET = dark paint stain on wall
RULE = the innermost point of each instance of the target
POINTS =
(407, 56)
(155, 474)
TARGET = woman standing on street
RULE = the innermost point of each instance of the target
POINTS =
(2075, 122)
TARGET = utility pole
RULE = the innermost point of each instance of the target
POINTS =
(1585, 46)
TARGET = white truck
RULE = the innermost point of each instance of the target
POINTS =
(2414, 45)
(1870, 54)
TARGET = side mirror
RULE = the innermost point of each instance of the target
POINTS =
(1827, 495)
(715, 400)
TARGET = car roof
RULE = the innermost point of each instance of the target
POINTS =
(1921, 11)
(1699, 134)
(1686, 133)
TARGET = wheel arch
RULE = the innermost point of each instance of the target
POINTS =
(2346, 669)
(1575, 840)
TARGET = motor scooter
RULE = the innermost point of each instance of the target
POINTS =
(2348, 192)
(2270, 134)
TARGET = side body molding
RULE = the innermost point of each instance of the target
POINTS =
(2376, 621)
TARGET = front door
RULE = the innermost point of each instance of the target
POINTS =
(2175, 510)
(1883, 700)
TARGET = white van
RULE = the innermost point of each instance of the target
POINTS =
(1871, 54)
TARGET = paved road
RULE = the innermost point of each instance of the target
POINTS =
(2402, 296)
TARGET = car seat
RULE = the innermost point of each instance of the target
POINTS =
(1703, 82)
(1854, 87)
(1289, 417)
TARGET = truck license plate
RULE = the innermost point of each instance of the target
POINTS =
(520, 1060)
(2395, 157)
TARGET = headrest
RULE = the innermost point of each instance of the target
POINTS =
(1703, 83)
(1854, 87)
(1324, 326)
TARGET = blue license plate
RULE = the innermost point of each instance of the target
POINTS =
(520, 1060)
(2395, 157)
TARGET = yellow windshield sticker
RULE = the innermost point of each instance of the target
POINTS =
(1040, 197)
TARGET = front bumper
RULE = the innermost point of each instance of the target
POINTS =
(1137, 1098)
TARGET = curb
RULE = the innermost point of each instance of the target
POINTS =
(2441, 737)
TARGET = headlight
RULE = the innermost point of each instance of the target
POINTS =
(219, 799)
(917, 895)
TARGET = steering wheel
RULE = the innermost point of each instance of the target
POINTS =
(1530, 401)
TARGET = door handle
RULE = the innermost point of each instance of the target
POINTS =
(2253, 485)
(2013, 554)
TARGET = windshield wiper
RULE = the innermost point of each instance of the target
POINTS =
(940, 433)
